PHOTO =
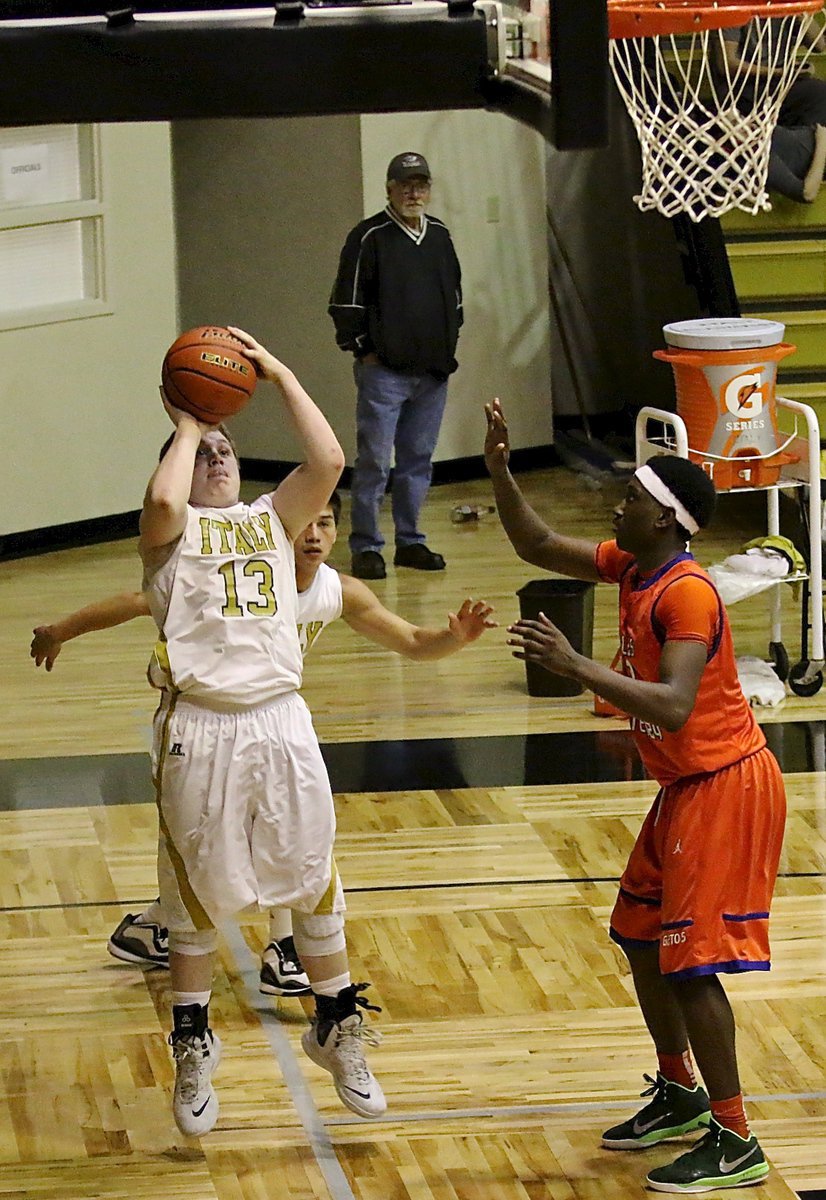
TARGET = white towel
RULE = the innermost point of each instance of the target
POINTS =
(736, 585)
(759, 561)
(742, 575)
(759, 682)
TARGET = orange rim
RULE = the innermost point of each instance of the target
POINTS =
(652, 18)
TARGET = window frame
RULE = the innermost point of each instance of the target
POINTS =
(91, 212)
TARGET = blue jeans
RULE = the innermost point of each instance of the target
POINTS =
(401, 412)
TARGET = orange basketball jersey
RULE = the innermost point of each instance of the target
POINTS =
(678, 602)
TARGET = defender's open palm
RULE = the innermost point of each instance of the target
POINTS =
(541, 642)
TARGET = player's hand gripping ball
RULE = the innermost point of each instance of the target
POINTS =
(207, 374)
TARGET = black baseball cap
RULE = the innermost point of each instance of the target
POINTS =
(408, 166)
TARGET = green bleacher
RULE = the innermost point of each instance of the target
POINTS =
(778, 260)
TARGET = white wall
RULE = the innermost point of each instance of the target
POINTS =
(82, 422)
(262, 207)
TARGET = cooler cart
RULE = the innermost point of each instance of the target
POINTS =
(751, 458)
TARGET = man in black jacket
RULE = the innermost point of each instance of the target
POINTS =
(397, 307)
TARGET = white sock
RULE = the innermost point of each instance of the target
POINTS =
(281, 924)
(152, 915)
(181, 998)
(331, 987)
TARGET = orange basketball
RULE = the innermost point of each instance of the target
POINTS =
(206, 373)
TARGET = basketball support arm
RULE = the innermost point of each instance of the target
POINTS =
(125, 61)
(293, 60)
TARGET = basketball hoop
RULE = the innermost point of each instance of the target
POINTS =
(705, 126)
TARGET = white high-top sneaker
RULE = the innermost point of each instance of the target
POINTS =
(138, 941)
(335, 1040)
(195, 1104)
(281, 971)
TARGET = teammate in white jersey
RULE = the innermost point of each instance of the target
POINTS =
(323, 596)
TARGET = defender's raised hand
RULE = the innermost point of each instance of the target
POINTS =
(497, 442)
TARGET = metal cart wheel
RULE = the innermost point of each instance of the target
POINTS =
(803, 681)
(779, 660)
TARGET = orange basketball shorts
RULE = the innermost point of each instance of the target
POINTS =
(700, 878)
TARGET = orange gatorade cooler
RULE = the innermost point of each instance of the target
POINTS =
(725, 371)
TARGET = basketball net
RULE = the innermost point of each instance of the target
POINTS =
(705, 127)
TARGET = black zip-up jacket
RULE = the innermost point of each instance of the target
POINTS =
(398, 294)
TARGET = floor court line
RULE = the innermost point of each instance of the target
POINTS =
(392, 887)
(310, 1118)
(537, 1110)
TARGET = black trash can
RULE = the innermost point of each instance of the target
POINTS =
(569, 603)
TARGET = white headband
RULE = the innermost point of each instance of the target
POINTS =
(652, 483)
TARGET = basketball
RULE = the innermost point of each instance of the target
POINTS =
(206, 373)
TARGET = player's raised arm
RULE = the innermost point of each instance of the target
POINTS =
(531, 538)
(364, 613)
(163, 517)
(307, 489)
(48, 640)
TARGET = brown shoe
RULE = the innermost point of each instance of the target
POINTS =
(368, 564)
(418, 556)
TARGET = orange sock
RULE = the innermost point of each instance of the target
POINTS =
(731, 1115)
(677, 1068)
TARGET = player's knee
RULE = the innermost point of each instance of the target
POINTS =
(318, 934)
(195, 943)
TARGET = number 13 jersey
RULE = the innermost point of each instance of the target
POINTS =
(225, 603)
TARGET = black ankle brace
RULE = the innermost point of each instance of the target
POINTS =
(344, 1005)
(190, 1020)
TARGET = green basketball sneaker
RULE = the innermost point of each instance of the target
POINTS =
(673, 1111)
(721, 1159)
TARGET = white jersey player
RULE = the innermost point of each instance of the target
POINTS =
(246, 812)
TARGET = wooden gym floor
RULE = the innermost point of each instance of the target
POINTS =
(481, 833)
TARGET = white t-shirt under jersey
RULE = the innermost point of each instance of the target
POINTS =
(320, 604)
(227, 608)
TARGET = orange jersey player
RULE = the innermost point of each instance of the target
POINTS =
(695, 895)
(678, 601)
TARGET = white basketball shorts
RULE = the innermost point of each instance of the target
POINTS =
(246, 812)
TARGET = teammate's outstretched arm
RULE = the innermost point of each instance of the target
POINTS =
(364, 613)
(104, 614)
(307, 489)
(531, 538)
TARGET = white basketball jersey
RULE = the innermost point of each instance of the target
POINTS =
(226, 605)
(320, 604)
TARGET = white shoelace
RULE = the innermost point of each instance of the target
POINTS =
(193, 1063)
(349, 1048)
